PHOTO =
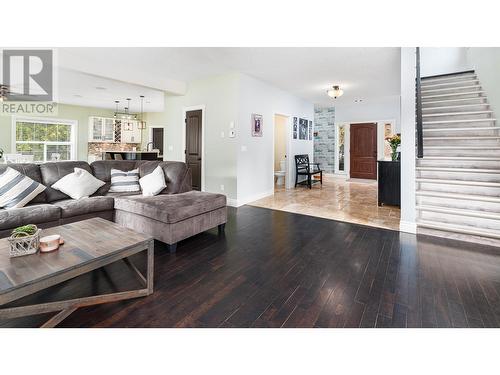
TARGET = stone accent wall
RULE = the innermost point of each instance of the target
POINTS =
(324, 138)
(95, 149)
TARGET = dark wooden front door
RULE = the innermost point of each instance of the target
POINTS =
(363, 151)
(193, 146)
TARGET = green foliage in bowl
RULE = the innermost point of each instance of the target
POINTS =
(25, 230)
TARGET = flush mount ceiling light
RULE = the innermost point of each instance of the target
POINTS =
(335, 92)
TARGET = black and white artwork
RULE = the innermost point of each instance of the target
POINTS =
(303, 129)
(310, 130)
(256, 125)
(295, 128)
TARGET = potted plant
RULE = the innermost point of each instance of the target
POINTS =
(394, 142)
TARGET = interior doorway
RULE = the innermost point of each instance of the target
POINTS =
(363, 151)
(280, 166)
(156, 139)
(193, 150)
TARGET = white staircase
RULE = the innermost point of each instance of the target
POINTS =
(458, 179)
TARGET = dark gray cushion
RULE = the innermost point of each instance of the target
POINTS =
(53, 172)
(33, 172)
(101, 169)
(73, 207)
(125, 194)
(30, 214)
(171, 208)
(177, 175)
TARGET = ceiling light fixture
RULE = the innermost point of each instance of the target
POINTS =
(335, 92)
(142, 123)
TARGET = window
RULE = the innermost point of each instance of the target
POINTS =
(46, 140)
(340, 148)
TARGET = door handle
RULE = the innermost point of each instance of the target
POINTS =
(199, 159)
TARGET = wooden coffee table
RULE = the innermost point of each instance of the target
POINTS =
(89, 245)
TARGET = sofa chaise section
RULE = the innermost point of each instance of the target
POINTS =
(171, 218)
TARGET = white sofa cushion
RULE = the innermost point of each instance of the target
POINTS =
(79, 184)
(153, 183)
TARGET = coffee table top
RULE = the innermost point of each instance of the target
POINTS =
(86, 242)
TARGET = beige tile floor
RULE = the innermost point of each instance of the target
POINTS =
(354, 201)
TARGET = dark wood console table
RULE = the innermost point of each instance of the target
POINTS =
(389, 182)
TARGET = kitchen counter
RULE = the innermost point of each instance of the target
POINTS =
(131, 155)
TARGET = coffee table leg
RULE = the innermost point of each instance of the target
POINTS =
(150, 268)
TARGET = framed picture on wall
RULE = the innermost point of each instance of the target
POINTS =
(294, 135)
(303, 129)
(310, 130)
(295, 124)
(256, 125)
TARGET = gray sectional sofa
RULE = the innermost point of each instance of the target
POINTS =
(175, 214)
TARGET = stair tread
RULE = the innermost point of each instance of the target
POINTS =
(449, 78)
(463, 147)
(457, 182)
(449, 83)
(462, 129)
(449, 88)
(456, 113)
(464, 138)
(454, 100)
(459, 228)
(458, 169)
(451, 94)
(459, 121)
(473, 197)
(455, 106)
(461, 211)
(472, 158)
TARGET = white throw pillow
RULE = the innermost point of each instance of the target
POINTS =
(17, 190)
(79, 184)
(153, 183)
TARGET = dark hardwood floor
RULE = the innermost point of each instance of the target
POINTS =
(276, 269)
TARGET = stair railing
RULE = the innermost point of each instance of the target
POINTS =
(419, 129)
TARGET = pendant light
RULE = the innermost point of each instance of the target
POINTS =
(142, 124)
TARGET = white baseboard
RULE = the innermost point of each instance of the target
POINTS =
(408, 227)
(240, 202)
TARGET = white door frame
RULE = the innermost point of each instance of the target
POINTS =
(288, 143)
(347, 141)
(195, 108)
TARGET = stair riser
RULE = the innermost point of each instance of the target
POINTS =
(474, 222)
(461, 142)
(461, 133)
(429, 117)
(448, 79)
(447, 96)
(445, 85)
(459, 189)
(466, 124)
(477, 100)
(485, 177)
(459, 204)
(494, 164)
(457, 90)
(478, 107)
(484, 152)
(459, 237)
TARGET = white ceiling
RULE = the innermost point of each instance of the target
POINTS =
(306, 72)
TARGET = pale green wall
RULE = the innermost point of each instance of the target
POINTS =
(67, 112)
(220, 96)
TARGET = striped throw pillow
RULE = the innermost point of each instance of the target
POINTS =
(124, 182)
(17, 190)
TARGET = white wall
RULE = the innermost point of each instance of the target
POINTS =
(220, 96)
(443, 60)
(371, 109)
(408, 75)
(486, 63)
(255, 165)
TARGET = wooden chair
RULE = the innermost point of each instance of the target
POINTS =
(304, 168)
